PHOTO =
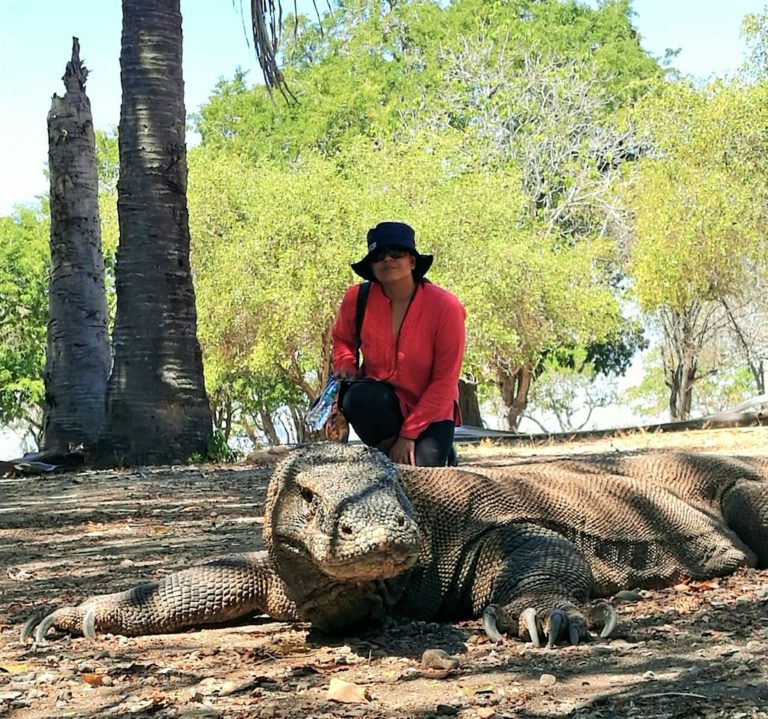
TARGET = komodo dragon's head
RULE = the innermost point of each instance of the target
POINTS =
(341, 510)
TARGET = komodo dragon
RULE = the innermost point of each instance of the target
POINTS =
(352, 538)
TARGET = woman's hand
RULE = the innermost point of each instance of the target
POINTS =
(403, 451)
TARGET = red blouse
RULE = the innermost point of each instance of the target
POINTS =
(423, 363)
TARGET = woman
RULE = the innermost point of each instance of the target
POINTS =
(404, 397)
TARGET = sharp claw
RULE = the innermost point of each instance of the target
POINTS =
(611, 619)
(27, 630)
(490, 617)
(528, 618)
(557, 621)
(89, 624)
(42, 629)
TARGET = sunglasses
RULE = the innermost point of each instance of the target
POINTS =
(394, 252)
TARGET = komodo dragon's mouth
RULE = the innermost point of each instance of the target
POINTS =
(378, 562)
(369, 568)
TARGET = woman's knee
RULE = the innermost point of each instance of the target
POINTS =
(372, 410)
(434, 445)
(431, 453)
(364, 397)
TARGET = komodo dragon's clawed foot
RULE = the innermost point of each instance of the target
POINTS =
(558, 623)
(77, 620)
(552, 626)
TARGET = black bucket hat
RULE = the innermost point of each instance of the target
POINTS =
(392, 234)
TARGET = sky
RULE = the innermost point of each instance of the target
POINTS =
(36, 43)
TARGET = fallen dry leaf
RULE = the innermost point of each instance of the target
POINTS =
(706, 584)
(94, 680)
(346, 692)
(284, 649)
(14, 667)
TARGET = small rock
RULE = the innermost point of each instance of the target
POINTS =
(439, 659)
(485, 712)
(623, 644)
(649, 676)
(547, 680)
(207, 686)
(603, 649)
(626, 595)
(448, 710)
(740, 658)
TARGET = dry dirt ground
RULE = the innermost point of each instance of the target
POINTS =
(694, 650)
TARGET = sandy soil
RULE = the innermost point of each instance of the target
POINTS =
(694, 650)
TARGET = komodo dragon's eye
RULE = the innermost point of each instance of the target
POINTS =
(307, 495)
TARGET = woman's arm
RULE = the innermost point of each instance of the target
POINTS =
(448, 355)
(343, 335)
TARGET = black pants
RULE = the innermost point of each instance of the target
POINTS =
(372, 409)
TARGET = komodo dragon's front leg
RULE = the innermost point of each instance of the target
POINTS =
(531, 580)
(211, 593)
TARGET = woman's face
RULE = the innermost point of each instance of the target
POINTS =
(392, 264)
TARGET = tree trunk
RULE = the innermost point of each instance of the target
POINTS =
(268, 427)
(681, 390)
(514, 387)
(78, 354)
(469, 404)
(685, 333)
(157, 408)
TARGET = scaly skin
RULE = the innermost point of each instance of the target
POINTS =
(352, 538)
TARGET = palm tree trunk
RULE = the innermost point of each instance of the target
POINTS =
(157, 407)
(78, 355)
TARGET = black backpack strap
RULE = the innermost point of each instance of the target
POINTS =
(362, 300)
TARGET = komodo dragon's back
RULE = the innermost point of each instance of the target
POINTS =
(352, 538)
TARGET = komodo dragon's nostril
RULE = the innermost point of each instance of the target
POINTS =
(401, 521)
(346, 530)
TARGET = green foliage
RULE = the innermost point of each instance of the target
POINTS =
(755, 28)
(720, 386)
(219, 450)
(376, 68)
(270, 266)
(724, 388)
(107, 160)
(387, 127)
(650, 397)
(24, 260)
(700, 200)
(568, 391)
